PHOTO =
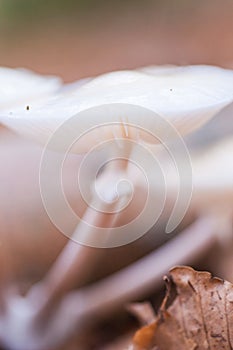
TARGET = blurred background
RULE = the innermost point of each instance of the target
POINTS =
(78, 38)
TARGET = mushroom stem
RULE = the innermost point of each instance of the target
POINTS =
(76, 261)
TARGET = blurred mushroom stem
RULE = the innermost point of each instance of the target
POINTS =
(76, 261)
(78, 258)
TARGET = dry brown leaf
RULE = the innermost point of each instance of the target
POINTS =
(196, 314)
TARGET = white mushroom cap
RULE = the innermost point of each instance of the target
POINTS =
(186, 97)
(20, 86)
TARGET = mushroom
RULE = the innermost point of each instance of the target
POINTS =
(118, 120)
